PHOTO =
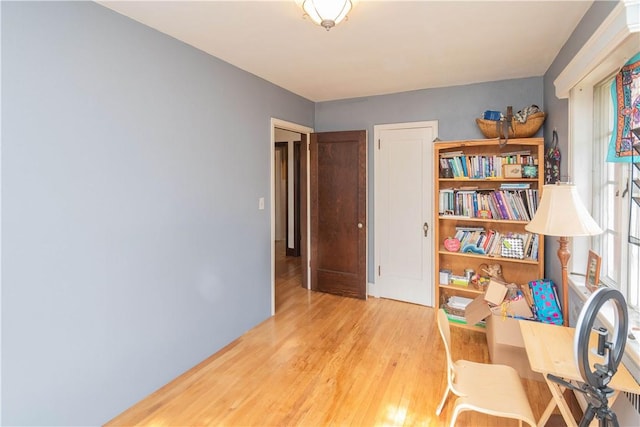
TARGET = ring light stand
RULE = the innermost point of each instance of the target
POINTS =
(595, 382)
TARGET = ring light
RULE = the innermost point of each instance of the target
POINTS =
(602, 374)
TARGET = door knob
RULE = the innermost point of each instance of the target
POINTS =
(360, 225)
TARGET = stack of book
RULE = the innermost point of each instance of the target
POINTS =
(471, 237)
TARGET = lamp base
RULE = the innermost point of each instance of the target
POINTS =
(563, 255)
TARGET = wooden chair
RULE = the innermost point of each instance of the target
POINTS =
(490, 389)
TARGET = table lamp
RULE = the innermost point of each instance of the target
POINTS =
(561, 213)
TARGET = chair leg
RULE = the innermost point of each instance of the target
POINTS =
(442, 402)
(456, 411)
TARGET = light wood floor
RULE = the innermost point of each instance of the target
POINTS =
(324, 360)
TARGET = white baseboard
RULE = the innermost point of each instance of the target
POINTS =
(371, 290)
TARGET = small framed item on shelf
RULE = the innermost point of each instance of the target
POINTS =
(593, 271)
(512, 171)
(530, 171)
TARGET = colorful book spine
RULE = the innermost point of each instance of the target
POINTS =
(504, 213)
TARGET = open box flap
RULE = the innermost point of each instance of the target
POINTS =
(477, 310)
(495, 293)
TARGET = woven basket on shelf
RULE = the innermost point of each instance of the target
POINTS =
(454, 311)
(493, 129)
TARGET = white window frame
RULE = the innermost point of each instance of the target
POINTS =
(614, 42)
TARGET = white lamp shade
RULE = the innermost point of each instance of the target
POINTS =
(561, 213)
(327, 12)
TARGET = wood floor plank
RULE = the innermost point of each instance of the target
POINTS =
(324, 360)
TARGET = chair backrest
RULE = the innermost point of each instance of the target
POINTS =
(445, 333)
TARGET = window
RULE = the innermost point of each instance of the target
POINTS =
(611, 193)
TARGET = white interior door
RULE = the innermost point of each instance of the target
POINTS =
(404, 212)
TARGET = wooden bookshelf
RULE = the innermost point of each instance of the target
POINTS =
(478, 176)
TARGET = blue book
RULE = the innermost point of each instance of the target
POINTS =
(475, 204)
(463, 160)
(452, 165)
(458, 163)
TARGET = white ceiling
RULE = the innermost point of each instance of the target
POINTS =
(384, 47)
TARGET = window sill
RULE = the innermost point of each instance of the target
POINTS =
(631, 358)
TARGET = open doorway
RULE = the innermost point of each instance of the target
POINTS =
(286, 167)
(289, 181)
(287, 191)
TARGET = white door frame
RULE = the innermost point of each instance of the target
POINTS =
(293, 127)
(377, 129)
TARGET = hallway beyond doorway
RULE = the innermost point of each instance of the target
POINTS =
(288, 274)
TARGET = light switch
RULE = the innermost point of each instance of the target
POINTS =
(261, 203)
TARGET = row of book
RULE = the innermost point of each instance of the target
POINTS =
(459, 165)
(519, 205)
(477, 240)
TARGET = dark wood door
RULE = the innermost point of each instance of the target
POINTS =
(303, 213)
(338, 182)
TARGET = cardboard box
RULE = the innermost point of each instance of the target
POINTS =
(506, 346)
(512, 171)
(516, 308)
(477, 310)
(495, 295)
(504, 339)
(495, 292)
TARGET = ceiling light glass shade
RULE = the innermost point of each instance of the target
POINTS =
(327, 13)
(561, 213)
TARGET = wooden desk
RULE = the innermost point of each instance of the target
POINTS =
(550, 351)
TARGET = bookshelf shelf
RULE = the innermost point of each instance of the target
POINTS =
(483, 220)
(462, 289)
(493, 259)
(481, 207)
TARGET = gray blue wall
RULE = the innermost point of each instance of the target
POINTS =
(455, 108)
(132, 243)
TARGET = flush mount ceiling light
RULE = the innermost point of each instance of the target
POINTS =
(327, 13)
